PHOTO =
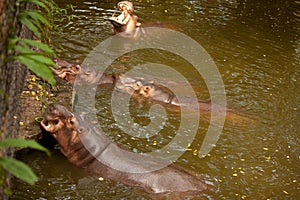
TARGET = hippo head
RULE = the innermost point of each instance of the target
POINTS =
(147, 90)
(88, 75)
(58, 118)
(71, 72)
(66, 70)
(64, 127)
(63, 64)
(129, 85)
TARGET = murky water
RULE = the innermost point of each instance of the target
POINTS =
(256, 47)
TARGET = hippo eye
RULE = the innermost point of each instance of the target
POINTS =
(77, 67)
(88, 72)
(80, 130)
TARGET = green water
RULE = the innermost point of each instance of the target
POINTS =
(255, 45)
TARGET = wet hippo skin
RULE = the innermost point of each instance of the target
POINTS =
(71, 71)
(66, 70)
(148, 90)
(69, 132)
(126, 24)
(91, 76)
(159, 94)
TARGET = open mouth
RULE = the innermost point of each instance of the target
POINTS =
(51, 124)
(53, 121)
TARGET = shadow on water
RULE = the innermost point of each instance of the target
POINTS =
(255, 45)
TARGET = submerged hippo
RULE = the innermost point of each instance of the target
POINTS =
(71, 71)
(159, 94)
(70, 133)
(143, 89)
(66, 70)
(89, 75)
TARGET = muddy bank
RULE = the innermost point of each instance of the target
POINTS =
(35, 98)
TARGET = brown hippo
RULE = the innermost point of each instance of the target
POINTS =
(71, 132)
(159, 94)
(91, 76)
(126, 22)
(128, 84)
(156, 93)
(66, 70)
(70, 71)
(127, 25)
(61, 64)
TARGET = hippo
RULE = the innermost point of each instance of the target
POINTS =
(89, 75)
(60, 63)
(69, 71)
(126, 23)
(157, 93)
(66, 70)
(139, 88)
(70, 131)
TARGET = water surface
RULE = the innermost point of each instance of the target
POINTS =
(255, 45)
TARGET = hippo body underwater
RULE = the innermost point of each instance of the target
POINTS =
(70, 134)
(148, 90)
(70, 71)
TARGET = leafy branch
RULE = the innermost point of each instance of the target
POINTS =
(36, 55)
(33, 53)
(37, 62)
(18, 168)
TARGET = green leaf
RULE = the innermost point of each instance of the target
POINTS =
(39, 69)
(11, 142)
(40, 3)
(40, 58)
(27, 22)
(24, 49)
(37, 16)
(38, 44)
(30, 54)
(12, 42)
(18, 169)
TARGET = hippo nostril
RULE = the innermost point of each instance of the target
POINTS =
(45, 122)
(55, 122)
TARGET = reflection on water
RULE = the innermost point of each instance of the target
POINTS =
(255, 45)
